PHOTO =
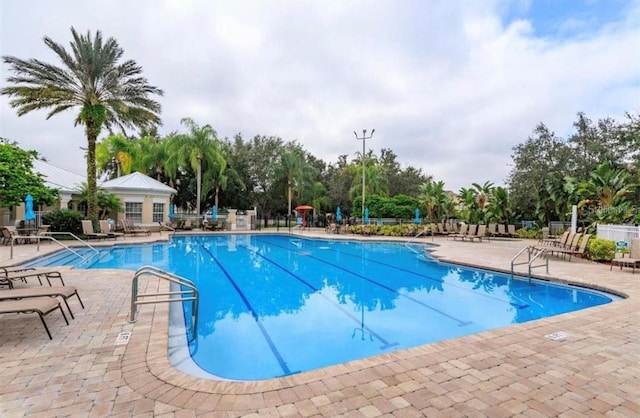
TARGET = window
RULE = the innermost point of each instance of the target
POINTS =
(158, 212)
(133, 211)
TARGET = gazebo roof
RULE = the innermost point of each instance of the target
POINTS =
(138, 182)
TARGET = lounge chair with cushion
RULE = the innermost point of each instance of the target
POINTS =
(87, 230)
(41, 305)
(65, 292)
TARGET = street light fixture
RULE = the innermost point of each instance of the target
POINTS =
(364, 137)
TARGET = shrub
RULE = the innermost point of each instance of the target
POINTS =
(529, 233)
(599, 249)
(63, 221)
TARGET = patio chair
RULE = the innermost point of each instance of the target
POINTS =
(502, 230)
(479, 235)
(22, 275)
(105, 228)
(129, 229)
(511, 231)
(554, 242)
(87, 230)
(41, 305)
(579, 250)
(464, 231)
(492, 230)
(65, 292)
(631, 260)
(441, 230)
(8, 234)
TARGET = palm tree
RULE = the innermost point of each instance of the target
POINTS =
(117, 154)
(483, 192)
(197, 148)
(433, 198)
(291, 169)
(106, 92)
(608, 191)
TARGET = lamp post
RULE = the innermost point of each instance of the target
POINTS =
(364, 137)
(198, 186)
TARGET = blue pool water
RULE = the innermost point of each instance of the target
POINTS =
(272, 305)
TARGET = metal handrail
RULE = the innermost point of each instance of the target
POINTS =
(406, 244)
(163, 225)
(49, 237)
(537, 253)
(172, 278)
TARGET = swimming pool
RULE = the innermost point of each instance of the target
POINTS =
(273, 305)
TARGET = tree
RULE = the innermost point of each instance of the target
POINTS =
(534, 161)
(607, 193)
(107, 93)
(197, 148)
(116, 155)
(107, 202)
(292, 169)
(433, 198)
(17, 178)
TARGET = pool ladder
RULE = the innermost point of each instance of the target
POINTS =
(533, 254)
(190, 294)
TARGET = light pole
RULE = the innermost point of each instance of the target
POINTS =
(364, 137)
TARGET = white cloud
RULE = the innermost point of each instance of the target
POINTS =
(446, 85)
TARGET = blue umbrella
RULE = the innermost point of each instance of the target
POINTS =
(29, 214)
(366, 215)
(417, 219)
(214, 213)
(172, 211)
(338, 215)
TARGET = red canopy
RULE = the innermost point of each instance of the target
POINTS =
(303, 208)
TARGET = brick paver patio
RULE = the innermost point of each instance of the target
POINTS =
(511, 371)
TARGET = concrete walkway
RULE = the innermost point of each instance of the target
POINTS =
(511, 371)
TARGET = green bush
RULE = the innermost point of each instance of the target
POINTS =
(63, 221)
(529, 233)
(599, 249)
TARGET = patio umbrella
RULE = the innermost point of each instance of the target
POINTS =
(214, 213)
(338, 215)
(366, 215)
(303, 209)
(29, 215)
(172, 211)
(417, 219)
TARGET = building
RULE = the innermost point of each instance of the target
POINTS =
(144, 199)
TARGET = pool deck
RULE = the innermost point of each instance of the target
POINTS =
(510, 371)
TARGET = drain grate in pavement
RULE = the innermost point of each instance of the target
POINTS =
(557, 336)
(123, 338)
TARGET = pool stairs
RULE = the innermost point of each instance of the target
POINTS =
(533, 253)
(79, 257)
(188, 294)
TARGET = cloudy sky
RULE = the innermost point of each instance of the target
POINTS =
(449, 85)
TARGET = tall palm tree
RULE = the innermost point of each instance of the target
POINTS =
(197, 148)
(291, 169)
(107, 93)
